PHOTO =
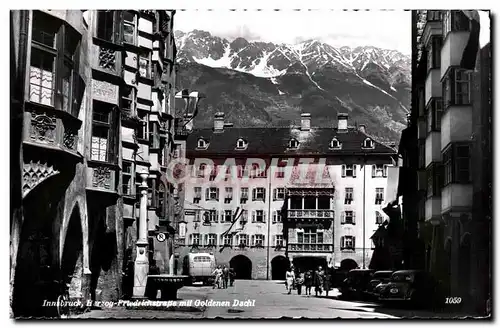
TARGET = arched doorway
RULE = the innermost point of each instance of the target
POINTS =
(72, 259)
(348, 264)
(242, 267)
(279, 265)
(306, 263)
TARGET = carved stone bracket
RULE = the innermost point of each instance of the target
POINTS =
(70, 137)
(34, 174)
(107, 58)
(43, 127)
(102, 177)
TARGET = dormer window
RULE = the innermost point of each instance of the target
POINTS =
(293, 144)
(202, 144)
(335, 144)
(368, 143)
(241, 144)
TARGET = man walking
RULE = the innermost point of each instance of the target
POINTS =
(225, 277)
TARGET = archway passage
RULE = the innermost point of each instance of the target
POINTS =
(72, 259)
(279, 265)
(242, 267)
(348, 264)
(306, 263)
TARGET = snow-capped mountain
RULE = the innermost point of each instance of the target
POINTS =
(359, 80)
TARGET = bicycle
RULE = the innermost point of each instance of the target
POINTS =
(62, 304)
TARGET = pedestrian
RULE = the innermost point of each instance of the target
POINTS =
(217, 277)
(299, 281)
(308, 281)
(318, 281)
(290, 277)
(232, 275)
(327, 282)
(225, 276)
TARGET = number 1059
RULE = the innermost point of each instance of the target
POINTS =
(453, 300)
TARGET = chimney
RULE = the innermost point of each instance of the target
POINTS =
(305, 121)
(342, 122)
(188, 121)
(219, 122)
(362, 128)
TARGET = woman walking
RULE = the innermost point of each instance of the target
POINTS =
(308, 281)
(299, 281)
(318, 281)
(290, 277)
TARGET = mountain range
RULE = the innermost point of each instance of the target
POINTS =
(267, 84)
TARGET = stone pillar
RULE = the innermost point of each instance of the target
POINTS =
(168, 253)
(141, 266)
(303, 202)
(171, 256)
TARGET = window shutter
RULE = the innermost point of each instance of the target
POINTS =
(354, 217)
(354, 170)
(191, 239)
(263, 240)
(275, 193)
(205, 240)
(222, 240)
(374, 169)
(217, 193)
(385, 171)
(353, 242)
(275, 214)
(253, 241)
(264, 195)
(254, 193)
(114, 135)
(343, 170)
(263, 216)
(342, 245)
(118, 26)
(342, 217)
(237, 239)
(274, 240)
(207, 194)
(253, 216)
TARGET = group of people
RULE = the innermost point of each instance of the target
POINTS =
(320, 279)
(223, 276)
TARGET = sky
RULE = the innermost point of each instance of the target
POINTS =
(383, 29)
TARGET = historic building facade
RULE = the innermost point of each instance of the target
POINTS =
(91, 106)
(311, 196)
(447, 149)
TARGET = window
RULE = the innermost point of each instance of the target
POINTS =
(434, 52)
(348, 217)
(258, 240)
(277, 217)
(348, 195)
(293, 144)
(378, 218)
(310, 236)
(335, 144)
(106, 25)
(228, 216)
(103, 133)
(348, 170)
(127, 178)
(53, 70)
(379, 196)
(229, 195)
(259, 194)
(145, 65)
(200, 170)
(434, 114)
(421, 154)
(368, 143)
(244, 195)
(241, 144)
(142, 129)
(197, 216)
(242, 239)
(454, 20)
(129, 101)
(154, 135)
(278, 241)
(151, 193)
(129, 27)
(202, 144)
(257, 171)
(434, 15)
(228, 240)
(379, 171)
(197, 195)
(279, 194)
(161, 199)
(210, 216)
(259, 216)
(195, 239)
(434, 179)
(456, 161)
(348, 242)
(211, 240)
(280, 170)
(212, 193)
(456, 87)
(244, 217)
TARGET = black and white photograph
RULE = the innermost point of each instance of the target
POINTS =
(183, 164)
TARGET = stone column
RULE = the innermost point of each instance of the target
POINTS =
(141, 266)
(171, 255)
(168, 269)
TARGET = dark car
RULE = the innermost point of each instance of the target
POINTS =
(412, 286)
(354, 286)
(379, 281)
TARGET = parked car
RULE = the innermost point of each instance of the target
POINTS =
(415, 287)
(380, 280)
(354, 286)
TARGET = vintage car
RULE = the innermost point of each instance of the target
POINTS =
(412, 286)
(380, 280)
(354, 286)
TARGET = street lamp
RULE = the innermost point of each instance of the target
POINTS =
(193, 97)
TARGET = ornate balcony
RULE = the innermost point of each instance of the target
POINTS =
(310, 248)
(310, 214)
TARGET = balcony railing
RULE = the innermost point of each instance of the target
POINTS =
(309, 247)
(310, 213)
